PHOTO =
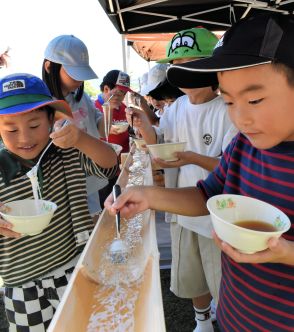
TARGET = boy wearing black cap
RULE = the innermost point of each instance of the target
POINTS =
(200, 119)
(255, 65)
(114, 86)
(36, 269)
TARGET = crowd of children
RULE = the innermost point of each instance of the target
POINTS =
(199, 118)
(254, 67)
(229, 99)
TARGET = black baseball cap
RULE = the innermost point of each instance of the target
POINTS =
(250, 42)
(119, 79)
(165, 90)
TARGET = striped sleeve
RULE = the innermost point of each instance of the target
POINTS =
(91, 168)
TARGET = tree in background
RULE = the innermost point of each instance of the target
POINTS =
(91, 90)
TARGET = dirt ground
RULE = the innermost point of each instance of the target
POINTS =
(179, 313)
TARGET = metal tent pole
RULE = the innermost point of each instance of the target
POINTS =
(124, 57)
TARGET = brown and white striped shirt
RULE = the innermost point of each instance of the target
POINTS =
(64, 183)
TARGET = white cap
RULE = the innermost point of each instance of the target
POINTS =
(143, 81)
(156, 75)
(72, 54)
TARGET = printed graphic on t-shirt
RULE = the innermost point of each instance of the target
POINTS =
(80, 118)
(207, 139)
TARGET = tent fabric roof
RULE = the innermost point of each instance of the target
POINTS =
(160, 16)
(152, 47)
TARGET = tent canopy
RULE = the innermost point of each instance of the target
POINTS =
(152, 47)
(160, 16)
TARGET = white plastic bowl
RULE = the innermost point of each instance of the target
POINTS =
(166, 151)
(26, 218)
(227, 209)
(120, 126)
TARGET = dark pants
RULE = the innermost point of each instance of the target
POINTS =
(106, 191)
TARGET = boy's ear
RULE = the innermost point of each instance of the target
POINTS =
(106, 89)
(47, 66)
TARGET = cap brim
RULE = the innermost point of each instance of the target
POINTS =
(124, 88)
(202, 72)
(147, 88)
(59, 105)
(164, 89)
(172, 58)
(165, 60)
(80, 73)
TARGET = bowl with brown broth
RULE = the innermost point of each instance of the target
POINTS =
(246, 223)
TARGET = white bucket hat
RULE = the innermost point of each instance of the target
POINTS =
(143, 81)
(72, 53)
(156, 75)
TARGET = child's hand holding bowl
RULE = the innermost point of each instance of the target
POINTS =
(279, 251)
(6, 226)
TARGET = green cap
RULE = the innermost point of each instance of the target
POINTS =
(191, 43)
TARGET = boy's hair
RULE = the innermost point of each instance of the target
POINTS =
(263, 39)
(53, 81)
(111, 85)
(286, 70)
(50, 111)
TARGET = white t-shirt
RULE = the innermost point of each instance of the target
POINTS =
(86, 116)
(207, 130)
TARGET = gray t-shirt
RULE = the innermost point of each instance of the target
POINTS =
(86, 117)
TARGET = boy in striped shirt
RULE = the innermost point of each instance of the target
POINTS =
(254, 62)
(36, 269)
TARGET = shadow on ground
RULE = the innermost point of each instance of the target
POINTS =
(179, 313)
